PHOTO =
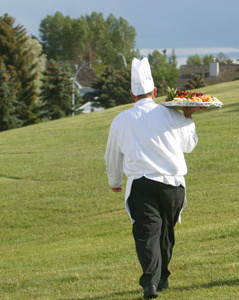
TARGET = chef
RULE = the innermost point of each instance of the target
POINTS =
(147, 143)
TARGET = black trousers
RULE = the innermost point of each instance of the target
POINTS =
(155, 207)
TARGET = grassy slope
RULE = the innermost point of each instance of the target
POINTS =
(65, 235)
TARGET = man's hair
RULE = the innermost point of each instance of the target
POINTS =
(139, 97)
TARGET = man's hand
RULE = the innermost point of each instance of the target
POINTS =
(188, 111)
(117, 190)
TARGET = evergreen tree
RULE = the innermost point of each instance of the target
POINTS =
(162, 87)
(18, 60)
(197, 81)
(56, 93)
(112, 88)
(37, 58)
(8, 119)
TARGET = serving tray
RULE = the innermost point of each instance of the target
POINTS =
(180, 104)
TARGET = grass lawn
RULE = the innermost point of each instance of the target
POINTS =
(65, 235)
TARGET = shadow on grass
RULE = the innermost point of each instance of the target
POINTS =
(113, 296)
(119, 295)
(212, 284)
(232, 107)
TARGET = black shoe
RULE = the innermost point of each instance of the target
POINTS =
(163, 285)
(150, 292)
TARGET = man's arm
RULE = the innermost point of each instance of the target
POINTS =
(188, 111)
(187, 129)
(114, 161)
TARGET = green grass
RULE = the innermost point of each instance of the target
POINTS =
(65, 235)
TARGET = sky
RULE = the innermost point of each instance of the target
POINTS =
(189, 27)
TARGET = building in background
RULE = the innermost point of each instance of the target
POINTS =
(214, 73)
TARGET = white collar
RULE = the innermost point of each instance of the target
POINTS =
(142, 101)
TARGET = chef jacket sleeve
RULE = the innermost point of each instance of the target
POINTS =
(187, 131)
(114, 159)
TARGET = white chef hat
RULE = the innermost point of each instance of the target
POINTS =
(141, 78)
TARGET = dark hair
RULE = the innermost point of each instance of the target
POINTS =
(145, 95)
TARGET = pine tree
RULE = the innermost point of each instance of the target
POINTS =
(17, 61)
(162, 87)
(112, 88)
(37, 58)
(8, 119)
(197, 81)
(56, 93)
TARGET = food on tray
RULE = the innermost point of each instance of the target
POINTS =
(195, 99)
(206, 98)
(176, 95)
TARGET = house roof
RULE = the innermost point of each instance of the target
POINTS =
(89, 107)
(226, 73)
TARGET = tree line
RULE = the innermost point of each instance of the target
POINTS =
(207, 59)
(35, 88)
(87, 38)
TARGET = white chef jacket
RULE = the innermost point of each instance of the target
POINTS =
(149, 140)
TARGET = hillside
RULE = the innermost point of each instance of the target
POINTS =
(65, 235)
